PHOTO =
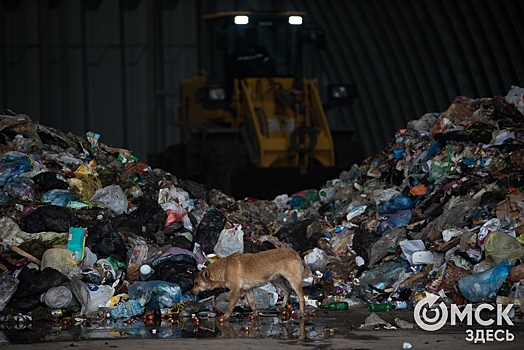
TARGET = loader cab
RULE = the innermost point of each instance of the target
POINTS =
(248, 44)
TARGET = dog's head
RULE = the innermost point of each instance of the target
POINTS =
(202, 282)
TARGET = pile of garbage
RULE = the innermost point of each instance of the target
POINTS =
(88, 230)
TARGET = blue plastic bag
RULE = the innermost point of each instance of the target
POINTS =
(20, 187)
(484, 286)
(11, 166)
(401, 218)
(156, 294)
(59, 197)
(396, 203)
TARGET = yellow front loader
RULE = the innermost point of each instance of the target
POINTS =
(254, 113)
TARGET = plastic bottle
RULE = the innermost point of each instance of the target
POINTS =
(399, 305)
(145, 272)
(380, 307)
(339, 305)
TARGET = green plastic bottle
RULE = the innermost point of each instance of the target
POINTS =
(340, 305)
(380, 307)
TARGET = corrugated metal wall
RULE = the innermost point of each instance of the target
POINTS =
(115, 65)
(410, 57)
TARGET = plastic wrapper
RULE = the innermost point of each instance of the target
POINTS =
(113, 197)
(386, 273)
(490, 226)
(517, 274)
(230, 241)
(8, 285)
(484, 286)
(138, 257)
(389, 240)
(500, 246)
(61, 260)
(20, 187)
(84, 186)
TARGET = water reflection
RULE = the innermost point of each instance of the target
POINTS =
(187, 327)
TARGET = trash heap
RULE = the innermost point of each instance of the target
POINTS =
(87, 230)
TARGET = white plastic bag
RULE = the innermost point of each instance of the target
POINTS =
(113, 197)
(91, 296)
(317, 260)
(230, 241)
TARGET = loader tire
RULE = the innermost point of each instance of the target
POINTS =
(301, 133)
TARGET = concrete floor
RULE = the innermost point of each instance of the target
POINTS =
(325, 330)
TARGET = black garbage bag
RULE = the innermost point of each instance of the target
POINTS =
(208, 230)
(362, 242)
(181, 242)
(25, 304)
(194, 189)
(104, 242)
(50, 180)
(295, 233)
(127, 225)
(150, 214)
(251, 247)
(181, 272)
(315, 292)
(32, 285)
(48, 218)
(48, 278)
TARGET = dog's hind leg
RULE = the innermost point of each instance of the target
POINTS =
(251, 301)
(295, 281)
(280, 282)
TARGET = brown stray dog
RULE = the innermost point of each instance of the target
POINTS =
(247, 271)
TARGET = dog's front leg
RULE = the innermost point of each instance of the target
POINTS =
(251, 301)
(233, 298)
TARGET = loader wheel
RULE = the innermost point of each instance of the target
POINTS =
(302, 134)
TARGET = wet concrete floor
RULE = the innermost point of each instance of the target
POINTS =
(324, 330)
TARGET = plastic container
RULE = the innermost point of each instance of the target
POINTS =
(146, 272)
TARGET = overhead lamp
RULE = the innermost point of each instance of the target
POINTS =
(241, 19)
(295, 20)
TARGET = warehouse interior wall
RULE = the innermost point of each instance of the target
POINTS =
(114, 66)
